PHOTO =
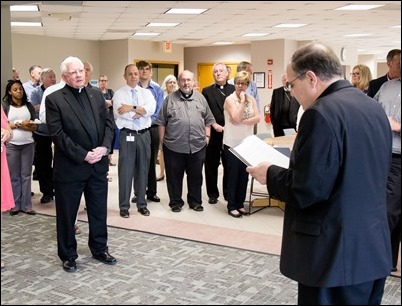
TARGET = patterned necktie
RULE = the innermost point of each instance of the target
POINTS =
(134, 96)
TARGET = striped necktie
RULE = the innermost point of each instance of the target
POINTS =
(134, 96)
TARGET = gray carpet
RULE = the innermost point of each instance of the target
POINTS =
(151, 269)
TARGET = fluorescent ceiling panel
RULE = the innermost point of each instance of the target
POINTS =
(185, 11)
(24, 8)
(357, 7)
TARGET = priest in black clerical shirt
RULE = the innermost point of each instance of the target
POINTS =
(215, 96)
(82, 131)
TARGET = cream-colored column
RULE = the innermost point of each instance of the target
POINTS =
(6, 50)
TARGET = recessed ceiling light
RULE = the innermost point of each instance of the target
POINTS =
(25, 24)
(222, 43)
(357, 7)
(24, 8)
(162, 24)
(146, 34)
(290, 25)
(255, 34)
(185, 11)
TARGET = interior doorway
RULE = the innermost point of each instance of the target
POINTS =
(205, 75)
(160, 69)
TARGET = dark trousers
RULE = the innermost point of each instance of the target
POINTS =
(213, 156)
(68, 197)
(44, 163)
(176, 164)
(133, 167)
(151, 188)
(235, 171)
(369, 293)
(394, 206)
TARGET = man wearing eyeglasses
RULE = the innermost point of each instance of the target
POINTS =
(336, 240)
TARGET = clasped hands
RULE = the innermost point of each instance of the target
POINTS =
(95, 155)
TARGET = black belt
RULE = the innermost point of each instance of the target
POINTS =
(136, 132)
(396, 155)
(154, 125)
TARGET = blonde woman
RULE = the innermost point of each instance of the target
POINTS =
(241, 113)
(361, 77)
(169, 85)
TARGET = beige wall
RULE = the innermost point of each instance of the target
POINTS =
(232, 53)
(382, 69)
(107, 57)
(49, 52)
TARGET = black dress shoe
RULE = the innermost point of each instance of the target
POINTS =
(212, 200)
(134, 200)
(234, 215)
(14, 212)
(69, 265)
(144, 211)
(394, 269)
(105, 258)
(176, 208)
(197, 207)
(124, 213)
(154, 198)
(46, 199)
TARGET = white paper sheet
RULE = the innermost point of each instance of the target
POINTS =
(253, 151)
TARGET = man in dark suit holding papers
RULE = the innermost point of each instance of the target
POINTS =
(336, 241)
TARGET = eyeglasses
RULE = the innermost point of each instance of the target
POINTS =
(241, 84)
(75, 72)
(355, 74)
(103, 80)
(289, 85)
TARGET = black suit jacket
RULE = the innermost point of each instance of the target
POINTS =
(375, 85)
(68, 127)
(335, 224)
(279, 102)
(216, 98)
